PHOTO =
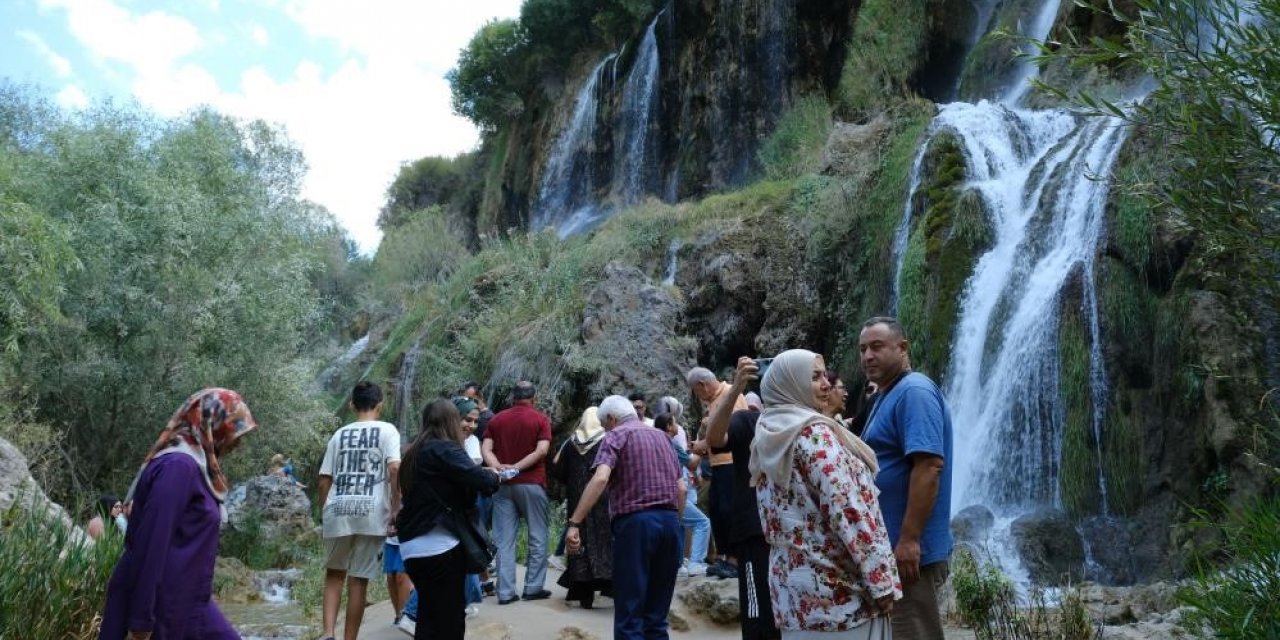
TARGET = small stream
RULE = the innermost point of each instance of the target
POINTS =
(276, 616)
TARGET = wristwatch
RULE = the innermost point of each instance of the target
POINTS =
(575, 525)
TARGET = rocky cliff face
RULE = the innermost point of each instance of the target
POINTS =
(726, 72)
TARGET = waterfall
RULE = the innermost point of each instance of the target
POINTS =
(634, 148)
(332, 375)
(673, 251)
(404, 391)
(903, 233)
(566, 192)
(1036, 174)
(1026, 69)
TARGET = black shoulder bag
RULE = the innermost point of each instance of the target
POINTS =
(475, 544)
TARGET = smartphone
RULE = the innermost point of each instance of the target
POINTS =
(762, 364)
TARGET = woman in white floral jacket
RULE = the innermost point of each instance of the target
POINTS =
(831, 569)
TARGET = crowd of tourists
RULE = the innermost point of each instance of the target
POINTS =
(832, 526)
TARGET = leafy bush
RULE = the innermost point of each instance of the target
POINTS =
(53, 581)
(487, 84)
(247, 543)
(1240, 598)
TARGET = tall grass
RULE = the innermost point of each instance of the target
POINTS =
(988, 602)
(1239, 599)
(53, 581)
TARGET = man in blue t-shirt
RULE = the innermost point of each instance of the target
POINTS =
(910, 429)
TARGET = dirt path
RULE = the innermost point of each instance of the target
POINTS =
(554, 619)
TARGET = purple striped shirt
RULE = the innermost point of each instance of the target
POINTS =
(645, 473)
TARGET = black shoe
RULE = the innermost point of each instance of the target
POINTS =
(540, 595)
(507, 600)
(588, 600)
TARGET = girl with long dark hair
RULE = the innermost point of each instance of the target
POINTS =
(437, 476)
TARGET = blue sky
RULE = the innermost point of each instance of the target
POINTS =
(358, 84)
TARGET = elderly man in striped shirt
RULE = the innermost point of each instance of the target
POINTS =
(638, 467)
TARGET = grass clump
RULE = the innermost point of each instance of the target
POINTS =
(1239, 599)
(1078, 478)
(795, 147)
(987, 601)
(53, 580)
(888, 41)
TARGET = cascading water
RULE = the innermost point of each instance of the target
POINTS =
(1041, 176)
(634, 147)
(673, 252)
(566, 198)
(1035, 173)
(404, 390)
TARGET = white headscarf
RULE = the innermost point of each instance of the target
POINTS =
(789, 405)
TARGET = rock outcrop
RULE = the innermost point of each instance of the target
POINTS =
(629, 335)
(18, 487)
(715, 600)
(972, 525)
(282, 510)
(1049, 546)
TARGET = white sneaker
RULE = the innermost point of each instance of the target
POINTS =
(473, 610)
(556, 562)
(689, 569)
(407, 625)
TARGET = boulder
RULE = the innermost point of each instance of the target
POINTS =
(1110, 545)
(1049, 547)
(283, 509)
(17, 487)
(973, 525)
(716, 600)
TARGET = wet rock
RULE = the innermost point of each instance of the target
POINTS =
(716, 600)
(1110, 544)
(1049, 546)
(234, 582)
(283, 510)
(972, 525)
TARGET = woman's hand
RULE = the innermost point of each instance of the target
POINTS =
(884, 604)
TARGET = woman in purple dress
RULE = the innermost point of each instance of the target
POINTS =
(163, 584)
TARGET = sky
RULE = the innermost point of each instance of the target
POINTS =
(357, 84)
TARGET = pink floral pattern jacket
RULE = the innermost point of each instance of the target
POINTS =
(830, 555)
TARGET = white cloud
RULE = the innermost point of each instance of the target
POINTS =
(61, 65)
(259, 35)
(152, 42)
(71, 97)
(387, 103)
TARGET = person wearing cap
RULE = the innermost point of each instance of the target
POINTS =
(519, 438)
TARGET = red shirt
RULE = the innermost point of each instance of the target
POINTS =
(515, 433)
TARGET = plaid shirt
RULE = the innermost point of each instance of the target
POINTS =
(645, 474)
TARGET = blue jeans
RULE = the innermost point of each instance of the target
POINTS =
(647, 548)
(700, 524)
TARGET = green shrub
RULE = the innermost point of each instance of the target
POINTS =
(987, 601)
(1240, 598)
(795, 147)
(53, 582)
(247, 543)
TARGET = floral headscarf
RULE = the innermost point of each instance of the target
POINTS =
(204, 424)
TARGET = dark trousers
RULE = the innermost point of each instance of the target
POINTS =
(647, 549)
(753, 590)
(441, 582)
(722, 508)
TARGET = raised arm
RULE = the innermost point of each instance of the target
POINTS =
(718, 422)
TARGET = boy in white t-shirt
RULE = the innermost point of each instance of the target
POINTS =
(359, 494)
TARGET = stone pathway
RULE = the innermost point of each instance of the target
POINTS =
(554, 619)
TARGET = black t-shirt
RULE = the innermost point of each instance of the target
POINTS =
(746, 517)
